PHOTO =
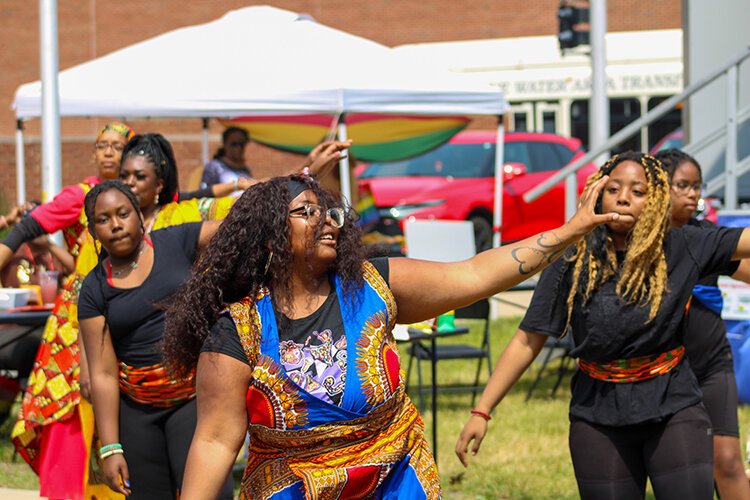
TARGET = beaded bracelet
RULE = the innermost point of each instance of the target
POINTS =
(107, 447)
(482, 414)
(114, 451)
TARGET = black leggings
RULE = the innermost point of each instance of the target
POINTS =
(156, 442)
(614, 462)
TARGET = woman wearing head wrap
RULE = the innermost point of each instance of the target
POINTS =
(53, 423)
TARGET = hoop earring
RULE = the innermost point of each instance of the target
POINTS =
(268, 263)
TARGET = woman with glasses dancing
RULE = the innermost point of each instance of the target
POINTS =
(53, 415)
(290, 329)
(706, 343)
(145, 418)
(636, 411)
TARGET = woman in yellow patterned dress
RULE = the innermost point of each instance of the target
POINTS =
(302, 356)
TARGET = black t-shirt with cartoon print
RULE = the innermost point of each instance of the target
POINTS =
(311, 349)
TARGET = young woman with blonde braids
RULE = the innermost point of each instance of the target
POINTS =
(636, 410)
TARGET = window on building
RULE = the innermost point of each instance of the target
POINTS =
(621, 113)
(664, 125)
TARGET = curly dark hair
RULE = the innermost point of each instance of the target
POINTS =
(233, 266)
(672, 158)
(158, 151)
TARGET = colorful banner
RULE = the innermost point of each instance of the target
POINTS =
(377, 137)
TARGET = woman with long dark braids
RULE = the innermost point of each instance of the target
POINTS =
(302, 356)
(706, 344)
(144, 417)
(636, 409)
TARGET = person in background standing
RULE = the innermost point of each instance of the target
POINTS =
(228, 164)
(706, 341)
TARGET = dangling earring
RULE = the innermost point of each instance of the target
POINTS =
(268, 263)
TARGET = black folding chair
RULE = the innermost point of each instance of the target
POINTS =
(554, 348)
(422, 352)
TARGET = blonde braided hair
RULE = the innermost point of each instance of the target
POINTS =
(642, 278)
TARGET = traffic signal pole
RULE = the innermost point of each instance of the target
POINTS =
(599, 106)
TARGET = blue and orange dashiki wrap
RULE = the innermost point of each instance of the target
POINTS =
(371, 446)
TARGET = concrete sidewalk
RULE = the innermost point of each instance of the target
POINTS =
(11, 494)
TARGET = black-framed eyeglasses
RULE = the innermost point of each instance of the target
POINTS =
(234, 144)
(104, 145)
(313, 212)
(683, 187)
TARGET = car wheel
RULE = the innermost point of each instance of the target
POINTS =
(482, 232)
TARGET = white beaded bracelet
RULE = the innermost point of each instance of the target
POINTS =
(109, 453)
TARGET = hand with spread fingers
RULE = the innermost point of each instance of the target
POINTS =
(586, 218)
(325, 156)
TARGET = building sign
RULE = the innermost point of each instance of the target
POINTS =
(577, 87)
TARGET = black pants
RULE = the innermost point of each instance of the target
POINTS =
(156, 442)
(675, 454)
(720, 399)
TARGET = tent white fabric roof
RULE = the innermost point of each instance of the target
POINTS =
(258, 60)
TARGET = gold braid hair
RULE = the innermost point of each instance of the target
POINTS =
(643, 275)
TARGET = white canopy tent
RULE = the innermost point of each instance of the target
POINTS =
(260, 60)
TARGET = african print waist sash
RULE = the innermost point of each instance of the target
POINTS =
(341, 460)
(152, 385)
(625, 371)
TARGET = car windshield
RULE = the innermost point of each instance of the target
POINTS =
(449, 160)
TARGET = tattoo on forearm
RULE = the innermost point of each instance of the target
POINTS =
(531, 258)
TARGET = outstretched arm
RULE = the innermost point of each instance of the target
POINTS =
(222, 383)
(425, 289)
(515, 359)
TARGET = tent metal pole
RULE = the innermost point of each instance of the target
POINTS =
(346, 190)
(51, 165)
(204, 142)
(20, 165)
(497, 216)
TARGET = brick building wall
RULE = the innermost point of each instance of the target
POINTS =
(92, 28)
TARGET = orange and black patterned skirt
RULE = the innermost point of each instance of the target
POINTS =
(625, 371)
(152, 385)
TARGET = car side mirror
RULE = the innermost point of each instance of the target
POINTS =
(513, 169)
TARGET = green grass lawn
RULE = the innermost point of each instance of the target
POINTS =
(524, 456)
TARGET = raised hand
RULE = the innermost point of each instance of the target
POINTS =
(325, 156)
(586, 218)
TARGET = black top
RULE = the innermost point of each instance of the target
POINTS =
(606, 329)
(135, 322)
(224, 339)
(27, 229)
(706, 341)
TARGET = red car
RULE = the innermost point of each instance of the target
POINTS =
(455, 182)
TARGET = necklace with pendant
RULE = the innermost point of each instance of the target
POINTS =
(128, 267)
